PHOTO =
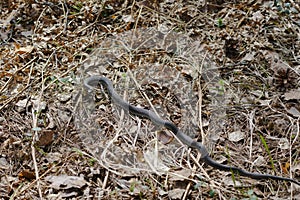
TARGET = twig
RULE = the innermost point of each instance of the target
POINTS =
(35, 114)
(187, 189)
(18, 70)
(295, 5)
(251, 125)
(105, 179)
(16, 95)
(34, 181)
(36, 167)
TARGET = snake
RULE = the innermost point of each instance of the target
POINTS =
(95, 80)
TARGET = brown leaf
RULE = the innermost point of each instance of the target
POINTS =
(27, 174)
(285, 168)
(23, 50)
(164, 137)
(45, 138)
(231, 48)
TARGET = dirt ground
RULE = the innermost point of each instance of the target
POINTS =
(227, 73)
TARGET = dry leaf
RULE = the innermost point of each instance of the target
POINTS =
(127, 18)
(259, 161)
(66, 182)
(4, 164)
(21, 105)
(45, 137)
(53, 157)
(292, 94)
(3, 35)
(284, 143)
(285, 168)
(30, 175)
(180, 175)
(294, 111)
(248, 57)
(23, 50)
(236, 136)
(177, 193)
(38, 105)
(227, 180)
(164, 137)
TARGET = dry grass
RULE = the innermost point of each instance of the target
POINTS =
(226, 73)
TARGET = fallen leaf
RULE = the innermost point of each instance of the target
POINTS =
(227, 180)
(128, 18)
(285, 168)
(236, 136)
(38, 105)
(180, 175)
(66, 182)
(54, 157)
(3, 35)
(27, 33)
(248, 57)
(64, 97)
(292, 94)
(294, 111)
(30, 175)
(23, 50)
(4, 164)
(176, 193)
(259, 161)
(164, 137)
(21, 105)
(284, 143)
(45, 137)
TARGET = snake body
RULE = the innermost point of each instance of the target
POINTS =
(92, 81)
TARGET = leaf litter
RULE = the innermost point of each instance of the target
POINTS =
(255, 46)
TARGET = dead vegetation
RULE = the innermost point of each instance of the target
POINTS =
(227, 73)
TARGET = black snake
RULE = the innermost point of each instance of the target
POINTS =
(185, 139)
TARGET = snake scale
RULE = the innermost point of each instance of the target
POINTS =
(92, 81)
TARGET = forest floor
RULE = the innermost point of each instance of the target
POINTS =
(227, 73)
